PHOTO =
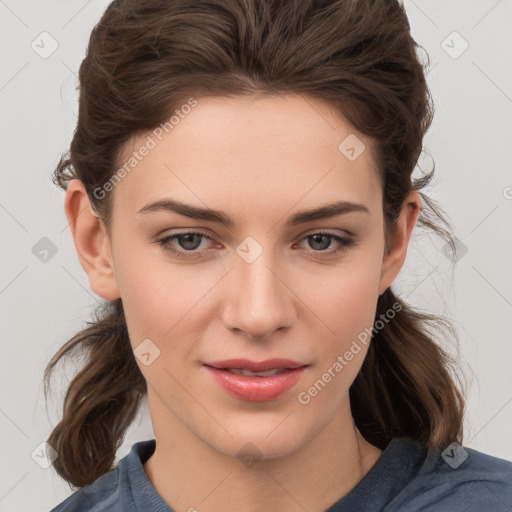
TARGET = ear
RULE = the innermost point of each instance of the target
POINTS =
(398, 242)
(91, 241)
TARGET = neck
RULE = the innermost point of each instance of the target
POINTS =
(190, 474)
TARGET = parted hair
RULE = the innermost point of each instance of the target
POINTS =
(143, 60)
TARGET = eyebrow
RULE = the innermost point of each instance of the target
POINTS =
(219, 217)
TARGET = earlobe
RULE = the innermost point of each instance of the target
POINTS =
(91, 240)
(399, 240)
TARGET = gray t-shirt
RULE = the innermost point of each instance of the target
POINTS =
(404, 479)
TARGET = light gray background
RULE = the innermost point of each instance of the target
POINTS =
(43, 304)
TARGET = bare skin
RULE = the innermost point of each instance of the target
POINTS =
(259, 160)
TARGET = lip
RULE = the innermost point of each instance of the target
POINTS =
(254, 366)
(256, 389)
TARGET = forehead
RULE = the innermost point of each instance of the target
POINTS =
(251, 150)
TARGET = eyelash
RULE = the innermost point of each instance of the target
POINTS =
(166, 244)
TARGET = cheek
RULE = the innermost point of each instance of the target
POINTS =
(162, 301)
(344, 299)
(346, 306)
(148, 293)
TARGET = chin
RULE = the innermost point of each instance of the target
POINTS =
(260, 442)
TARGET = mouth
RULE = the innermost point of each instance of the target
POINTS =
(256, 367)
(256, 381)
(248, 373)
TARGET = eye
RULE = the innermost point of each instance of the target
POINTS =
(189, 243)
(320, 242)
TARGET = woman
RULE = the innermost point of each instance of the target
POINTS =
(239, 192)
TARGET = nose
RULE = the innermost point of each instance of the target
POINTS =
(260, 300)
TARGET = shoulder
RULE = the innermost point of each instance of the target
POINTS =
(112, 492)
(101, 495)
(458, 479)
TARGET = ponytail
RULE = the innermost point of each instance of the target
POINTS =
(101, 401)
(404, 387)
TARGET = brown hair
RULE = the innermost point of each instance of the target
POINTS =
(143, 60)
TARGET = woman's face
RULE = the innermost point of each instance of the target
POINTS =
(260, 287)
